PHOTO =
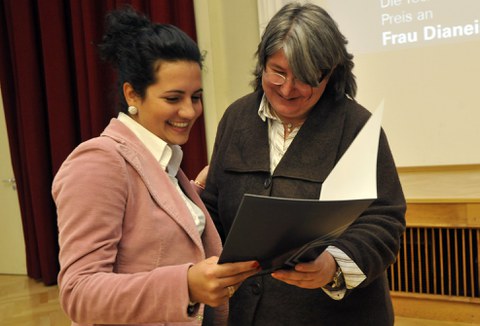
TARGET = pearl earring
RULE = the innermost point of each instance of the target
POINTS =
(132, 110)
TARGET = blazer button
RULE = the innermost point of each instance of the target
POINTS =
(256, 288)
(268, 182)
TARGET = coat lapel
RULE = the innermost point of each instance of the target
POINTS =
(314, 151)
(248, 149)
(312, 154)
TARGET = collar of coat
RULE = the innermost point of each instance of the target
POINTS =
(312, 154)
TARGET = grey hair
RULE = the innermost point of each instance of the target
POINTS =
(313, 46)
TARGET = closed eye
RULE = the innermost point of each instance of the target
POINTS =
(196, 98)
(278, 71)
(172, 99)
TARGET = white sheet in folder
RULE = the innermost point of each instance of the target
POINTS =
(355, 174)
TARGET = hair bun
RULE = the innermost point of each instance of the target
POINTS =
(122, 29)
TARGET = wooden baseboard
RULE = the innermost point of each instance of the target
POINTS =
(441, 184)
(435, 307)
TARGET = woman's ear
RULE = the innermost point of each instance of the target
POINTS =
(131, 97)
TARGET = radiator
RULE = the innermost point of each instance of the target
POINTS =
(438, 261)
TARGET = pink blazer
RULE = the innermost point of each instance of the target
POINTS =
(126, 237)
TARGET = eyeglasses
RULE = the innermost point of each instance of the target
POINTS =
(278, 80)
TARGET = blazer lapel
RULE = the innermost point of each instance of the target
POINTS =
(161, 188)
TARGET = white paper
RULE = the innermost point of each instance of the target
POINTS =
(355, 174)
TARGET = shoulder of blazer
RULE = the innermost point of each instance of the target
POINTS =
(119, 140)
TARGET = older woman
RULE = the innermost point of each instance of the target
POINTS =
(137, 245)
(283, 140)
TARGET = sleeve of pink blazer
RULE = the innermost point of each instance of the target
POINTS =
(123, 260)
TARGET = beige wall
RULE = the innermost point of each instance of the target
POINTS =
(12, 246)
(227, 30)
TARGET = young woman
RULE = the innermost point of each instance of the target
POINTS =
(137, 245)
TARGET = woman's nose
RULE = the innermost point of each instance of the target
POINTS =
(187, 110)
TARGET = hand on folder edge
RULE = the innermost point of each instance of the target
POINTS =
(213, 284)
(310, 275)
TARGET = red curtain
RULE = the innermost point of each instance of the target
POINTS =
(57, 93)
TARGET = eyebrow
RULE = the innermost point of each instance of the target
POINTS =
(179, 91)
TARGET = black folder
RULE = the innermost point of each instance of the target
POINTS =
(281, 232)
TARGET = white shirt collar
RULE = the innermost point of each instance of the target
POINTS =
(264, 111)
(169, 156)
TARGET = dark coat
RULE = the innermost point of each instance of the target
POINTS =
(240, 164)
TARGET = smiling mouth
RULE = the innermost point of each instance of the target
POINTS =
(288, 98)
(178, 124)
(291, 99)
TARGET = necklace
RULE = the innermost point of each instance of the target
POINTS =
(289, 127)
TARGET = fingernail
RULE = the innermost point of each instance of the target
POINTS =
(256, 264)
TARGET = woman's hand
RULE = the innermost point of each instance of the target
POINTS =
(312, 275)
(214, 284)
(201, 178)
